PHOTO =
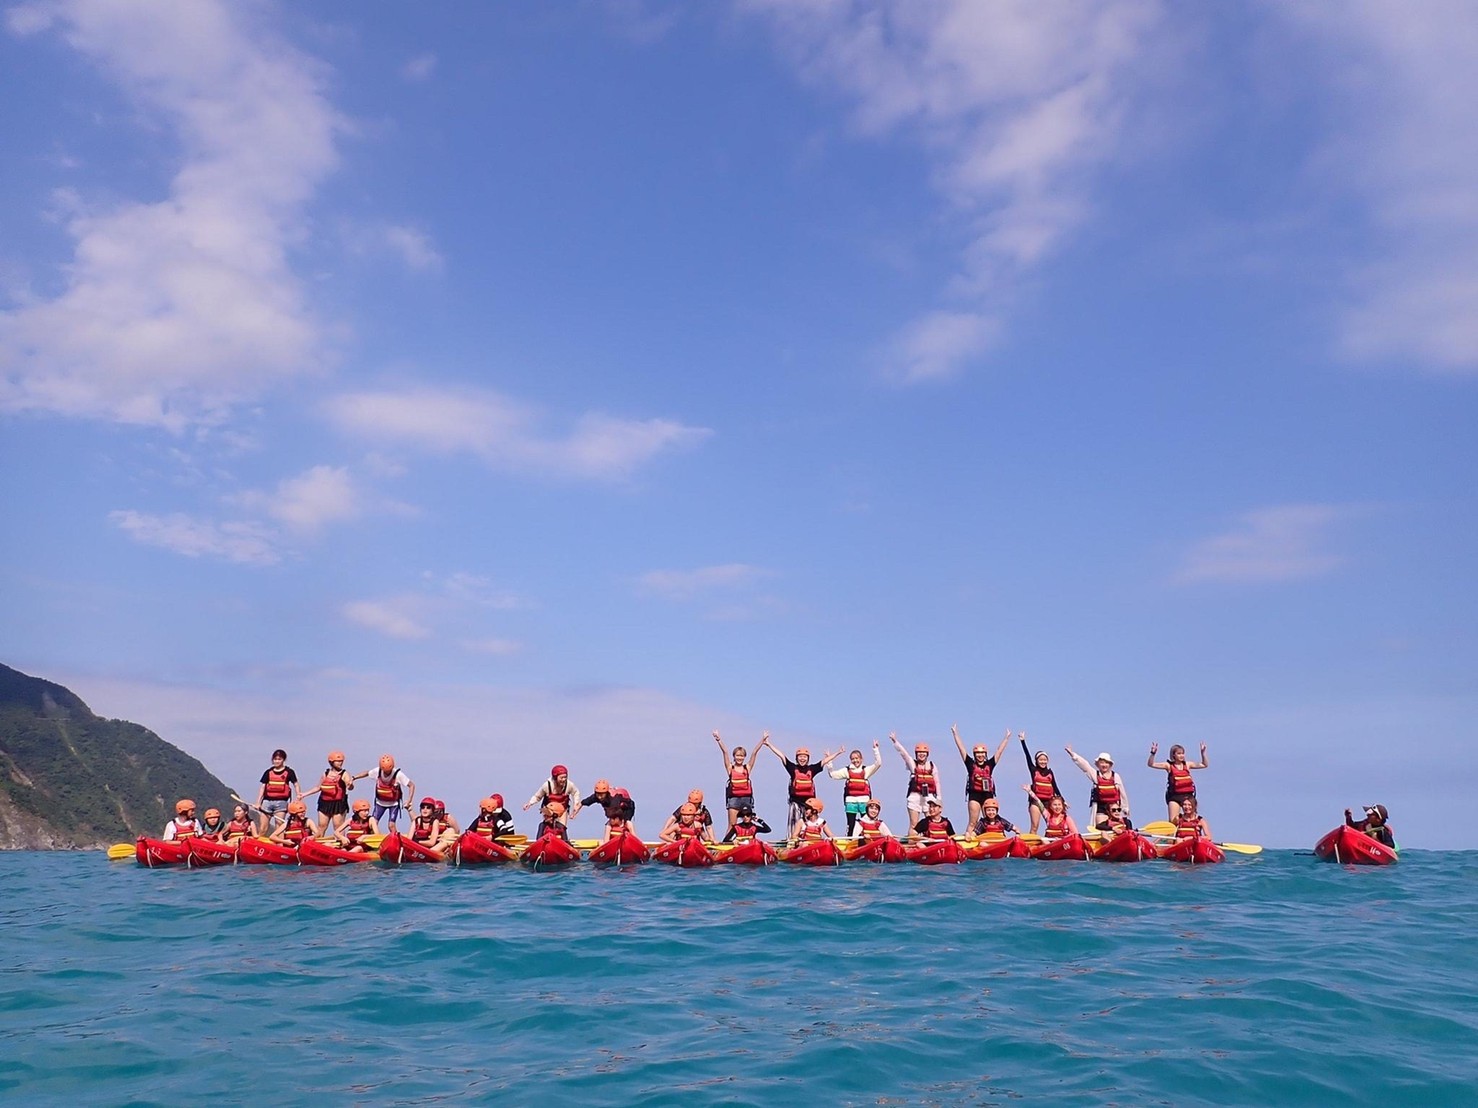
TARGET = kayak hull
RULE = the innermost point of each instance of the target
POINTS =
(474, 850)
(751, 853)
(260, 852)
(624, 850)
(1350, 847)
(209, 852)
(990, 849)
(822, 853)
(398, 849)
(1196, 850)
(157, 852)
(883, 849)
(1069, 847)
(315, 853)
(549, 852)
(1128, 846)
(944, 852)
(684, 852)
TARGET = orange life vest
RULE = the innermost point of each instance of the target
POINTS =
(739, 783)
(803, 782)
(296, 829)
(812, 830)
(1179, 781)
(1188, 827)
(357, 828)
(1105, 789)
(332, 786)
(924, 780)
(870, 828)
(277, 787)
(1056, 826)
(1044, 784)
(982, 780)
(937, 829)
(857, 782)
(387, 790)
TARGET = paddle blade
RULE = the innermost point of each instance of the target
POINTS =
(119, 851)
(1160, 827)
(1241, 848)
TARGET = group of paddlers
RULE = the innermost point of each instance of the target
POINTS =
(280, 812)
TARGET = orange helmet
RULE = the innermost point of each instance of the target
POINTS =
(695, 797)
(297, 807)
(387, 763)
(183, 806)
(361, 805)
(806, 750)
(554, 808)
(212, 814)
(489, 804)
(335, 756)
(921, 748)
(602, 786)
(979, 750)
(687, 810)
(814, 804)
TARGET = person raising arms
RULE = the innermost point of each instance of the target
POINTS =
(923, 778)
(1108, 787)
(980, 767)
(739, 787)
(1179, 785)
(802, 773)
(857, 792)
(1043, 785)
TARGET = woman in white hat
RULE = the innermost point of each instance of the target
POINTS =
(1108, 787)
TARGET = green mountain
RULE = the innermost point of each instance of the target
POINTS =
(69, 779)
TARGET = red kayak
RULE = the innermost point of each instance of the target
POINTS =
(260, 852)
(937, 852)
(1195, 849)
(548, 852)
(157, 852)
(397, 848)
(884, 848)
(1127, 846)
(989, 849)
(683, 852)
(751, 853)
(315, 853)
(823, 852)
(625, 849)
(1059, 850)
(473, 849)
(211, 852)
(1353, 848)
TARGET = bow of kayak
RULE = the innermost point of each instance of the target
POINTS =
(1348, 846)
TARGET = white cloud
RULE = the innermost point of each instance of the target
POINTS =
(1018, 102)
(243, 542)
(505, 434)
(1402, 85)
(685, 584)
(410, 246)
(1283, 543)
(309, 501)
(419, 68)
(174, 310)
(396, 618)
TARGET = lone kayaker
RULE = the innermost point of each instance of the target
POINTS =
(980, 767)
(558, 789)
(739, 778)
(360, 824)
(394, 792)
(923, 778)
(934, 824)
(1179, 784)
(1108, 786)
(857, 791)
(184, 824)
(1374, 824)
(802, 774)
(279, 786)
(991, 823)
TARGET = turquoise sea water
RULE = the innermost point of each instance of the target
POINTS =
(1267, 980)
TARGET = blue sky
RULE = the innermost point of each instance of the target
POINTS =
(504, 384)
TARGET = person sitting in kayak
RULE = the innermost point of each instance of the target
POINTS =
(1108, 787)
(991, 823)
(450, 830)
(857, 792)
(747, 826)
(1042, 787)
(811, 828)
(686, 825)
(333, 790)
(739, 779)
(294, 826)
(934, 824)
(279, 788)
(241, 824)
(1058, 823)
(360, 825)
(923, 778)
(426, 828)
(802, 773)
(553, 822)
(184, 825)
(558, 789)
(1178, 783)
(980, 767)
(1113, 822)
(1189, 824)
(870, 823)
(394, 792)
(617, 825)
(493, 821)
(1374, 824)
(213, 826)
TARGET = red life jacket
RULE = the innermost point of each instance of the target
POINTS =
(185, 828)
(617, 827)
(1044, 784)
(357, 828)
(812, 830)
(1105, 789)
(214, 835)
(688, 830)
(277, 787)
(1056, 826)
(1188, 827)
(555, 795)
(739, 783)
(238, 828)
(937, 829)
(387, 790)
(332, 786)
(981, 778)
(743, 832)
(1179, 781)
(1116, 826)
(870, 828)
(996, 826)
(296, 829)
(485, 824)
(857, 782)
(421, 828)
(924, 780)
(803, 782)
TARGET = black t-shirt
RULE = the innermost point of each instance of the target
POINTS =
(922, 827)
